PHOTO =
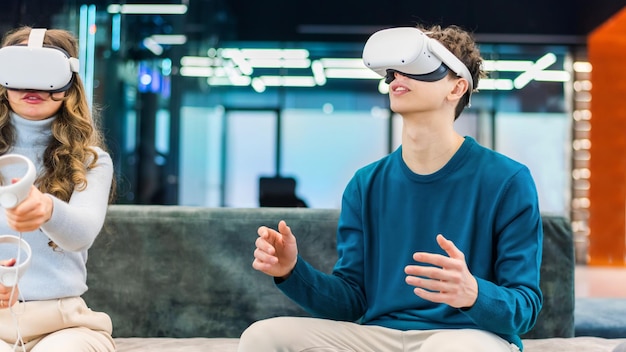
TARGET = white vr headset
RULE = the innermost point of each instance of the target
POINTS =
(36, 66)
(411, 52)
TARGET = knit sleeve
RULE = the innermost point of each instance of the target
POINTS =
(74, 225)
(338, 295)
(511, 303)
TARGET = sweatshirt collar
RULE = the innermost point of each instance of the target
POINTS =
(31, 133)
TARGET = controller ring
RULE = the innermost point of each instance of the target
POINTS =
(10, 275)
(13, 194)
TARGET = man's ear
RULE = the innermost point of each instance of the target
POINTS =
(460, 87)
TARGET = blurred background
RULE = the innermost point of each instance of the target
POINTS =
(247, 103)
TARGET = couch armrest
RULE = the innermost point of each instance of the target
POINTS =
(556, 319)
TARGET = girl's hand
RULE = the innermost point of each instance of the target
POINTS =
(31, 213)
(6, 299)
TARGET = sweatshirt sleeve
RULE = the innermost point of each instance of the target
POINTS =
(339, 295)
(322, 295)
(74, 225)
(510, 305)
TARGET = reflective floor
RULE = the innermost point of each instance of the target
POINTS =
(593, 281)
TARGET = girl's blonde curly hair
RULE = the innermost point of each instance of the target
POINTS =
(70, 153)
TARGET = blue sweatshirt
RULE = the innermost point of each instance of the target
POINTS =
(484, 202)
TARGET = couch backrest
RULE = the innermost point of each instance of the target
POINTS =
(181, 271)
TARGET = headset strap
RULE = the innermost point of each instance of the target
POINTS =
(35, 39)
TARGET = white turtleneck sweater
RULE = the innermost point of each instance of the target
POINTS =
(73, 226)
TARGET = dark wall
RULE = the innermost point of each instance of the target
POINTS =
(340, 20)
(348, 20)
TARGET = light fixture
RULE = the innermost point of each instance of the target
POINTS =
(288, 81)
(507, 65)
(258, 85)
(267, 58)
(147, 9)
(273, 53)
(197, 61)
(552, 76)
(495, 84)
(153, 46)
(169, 39)
(582, 66)
(232, 64)
(350, 73)
(343, 63)
(196, 71)
(544, 62)
(318, 72)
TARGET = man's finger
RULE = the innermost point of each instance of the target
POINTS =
(449, 247)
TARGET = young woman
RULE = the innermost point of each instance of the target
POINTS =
(63, 212)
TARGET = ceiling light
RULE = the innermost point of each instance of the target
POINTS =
(507, 65)
(196, 61)
(581, 66)
(552, 76)
(288, 81)
(229, 81)
(194, 71)
(148, 9)
(169, 39)
(544, 62)
(318, 73)
(351, 73)
(258, 85)
(495, 84)
(342, 63)
(153, 46)
(279, 63)
(274, 53)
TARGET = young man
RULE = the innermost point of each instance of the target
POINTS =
(439, 242)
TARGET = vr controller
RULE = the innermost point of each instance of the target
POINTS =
(10, 275)
(10, 196)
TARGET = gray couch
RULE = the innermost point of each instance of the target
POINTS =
(177, 278)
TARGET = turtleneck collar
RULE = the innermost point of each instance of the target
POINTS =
(31, 133)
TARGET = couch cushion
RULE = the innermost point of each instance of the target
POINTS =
(600, 316)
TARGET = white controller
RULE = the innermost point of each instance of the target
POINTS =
(11, 195)
(10, 275)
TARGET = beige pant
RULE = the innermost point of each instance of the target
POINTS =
(290, 334)
(62, 325)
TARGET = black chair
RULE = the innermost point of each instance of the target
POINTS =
(279, 192)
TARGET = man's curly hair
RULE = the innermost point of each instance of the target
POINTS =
(461, 43)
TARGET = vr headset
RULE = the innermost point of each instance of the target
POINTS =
(409, 51)
(36, 66)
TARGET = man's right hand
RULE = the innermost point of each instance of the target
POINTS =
(276, 252)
